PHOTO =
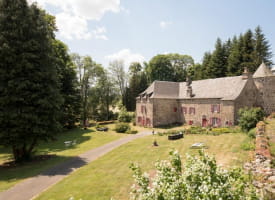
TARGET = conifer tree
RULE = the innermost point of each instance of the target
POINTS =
(247, 49)
(29, 92)
(234, 58)
(217, 65)
(262, 50)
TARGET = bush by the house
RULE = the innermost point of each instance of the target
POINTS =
(252, 133)
(172, 132)
(122, 127)
(200, 178)
(131, 131)
(249, 117)
(125, 116)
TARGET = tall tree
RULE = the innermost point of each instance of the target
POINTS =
(118, 72)
(169, 67)
(247, 49)
(86, 73)
(103, 95)
(217, 65)
(70, 109)
(235, 58)
(137, 84)
(262, 50)
(29, 92)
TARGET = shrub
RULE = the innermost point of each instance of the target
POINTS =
(124, 116)
(252, 133)
(122, 127)
(201, 179)
(249, 117)
(131, 131)
(248, 145)
(172, 132)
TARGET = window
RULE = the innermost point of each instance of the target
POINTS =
(184, 110)
(192, 111)
(190, 122)
(175, 109)
(148, 122)
(215, 121)
(215, 108)
(143, 109)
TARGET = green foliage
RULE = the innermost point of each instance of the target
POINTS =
(122, 127)
(200, 179)
(169, 67)
(124, 116)
(248, 145)
(252, 133)
(137, 83)
(30, 99)
(131, 131)
(172, 132)
(249, 117)
(70, 109)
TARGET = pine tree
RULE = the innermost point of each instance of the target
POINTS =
(262, 50)
(247, 49)
(29, 91)
(217, 65)
(234, 58)
(206, 65)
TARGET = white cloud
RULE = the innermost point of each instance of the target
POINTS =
(73, 19)
(164, 24)
(127, 56)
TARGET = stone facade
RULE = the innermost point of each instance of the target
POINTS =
(211, 102)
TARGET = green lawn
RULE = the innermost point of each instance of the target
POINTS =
(110, 176)
(86, 140)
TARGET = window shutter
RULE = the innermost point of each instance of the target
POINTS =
(194, 109)
(219, 108)
(219, 122)
(212, 109)
(190, 110)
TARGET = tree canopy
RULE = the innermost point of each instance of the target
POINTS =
(30, 100)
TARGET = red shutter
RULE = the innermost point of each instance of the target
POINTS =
(190, 110)
(194, 111)
(219, 122)
(219, 108)
(212, 108)
(175, 109)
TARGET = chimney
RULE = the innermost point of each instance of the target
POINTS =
(189, 91)
(246, 74)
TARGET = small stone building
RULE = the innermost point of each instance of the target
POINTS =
(210, 102)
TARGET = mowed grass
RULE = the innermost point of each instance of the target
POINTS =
(110, 177)
(85, 140)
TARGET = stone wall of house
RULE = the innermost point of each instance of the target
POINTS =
(166, 111)
(144, 112)
(249, 97)
(203, 110)
(266, 88)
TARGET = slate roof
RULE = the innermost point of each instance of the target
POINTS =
(228, 88)
(262, 71)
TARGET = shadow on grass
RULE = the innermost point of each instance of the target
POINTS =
(53, 165)
(45, 161)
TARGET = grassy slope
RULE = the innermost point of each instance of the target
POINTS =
(271, 134)
(109, 176)
(86, 140)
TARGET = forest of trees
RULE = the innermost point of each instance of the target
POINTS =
(44, 88)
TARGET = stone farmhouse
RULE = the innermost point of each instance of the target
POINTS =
(210, 102)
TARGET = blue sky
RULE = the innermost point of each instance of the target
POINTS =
(137, 30)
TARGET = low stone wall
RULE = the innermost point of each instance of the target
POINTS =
(261, 167)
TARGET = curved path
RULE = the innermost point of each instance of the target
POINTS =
(32, 187)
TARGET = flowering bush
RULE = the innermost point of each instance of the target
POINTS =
(199, 179)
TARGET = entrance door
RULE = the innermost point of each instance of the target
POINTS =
(204, 122)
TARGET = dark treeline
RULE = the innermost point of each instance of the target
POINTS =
(229, 58)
